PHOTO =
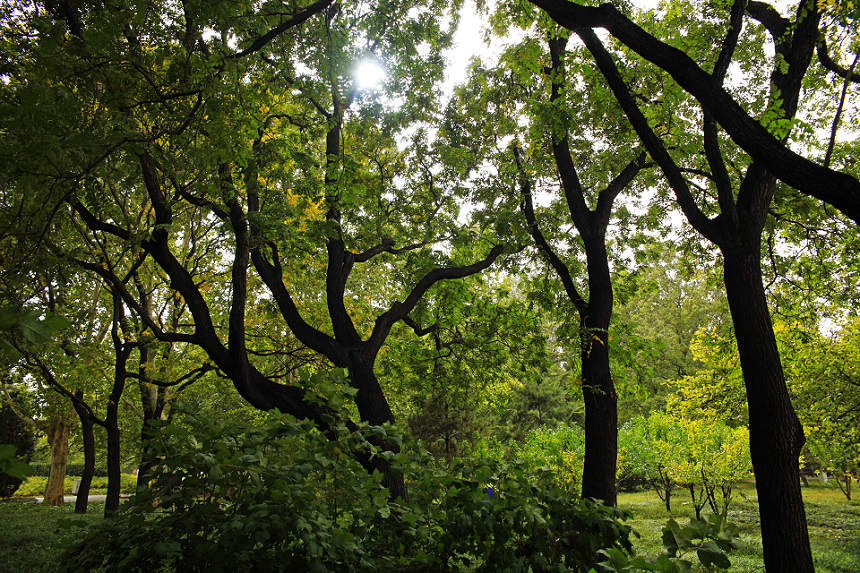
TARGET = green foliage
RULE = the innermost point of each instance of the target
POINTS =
(825, 378)
(558, 451)
(72, 469)
(30, 326)
(283, 497)
(17, 443)
(711, 540)
(648, 447)
(35, 485)
(704, 455)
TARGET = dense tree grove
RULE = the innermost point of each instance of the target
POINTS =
(621, 252)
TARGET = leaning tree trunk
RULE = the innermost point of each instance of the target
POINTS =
(88, 436)
(58, 439)
(776, 435)
(374, 409)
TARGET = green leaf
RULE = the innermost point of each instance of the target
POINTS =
(711, 555)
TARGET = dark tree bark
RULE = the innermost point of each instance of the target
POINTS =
(601, 413)
(595, 312)
(776, 436)
(251, 248)
(88, 437)
(122, 351)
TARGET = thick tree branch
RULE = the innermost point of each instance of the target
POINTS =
(713, 153)
(652, 143)
(400, 309)
(417, 328)
(272, 275)
(95, 224)
(829, 63)
(570, 183)
(543, 245)
(300, 17)
(770, 18)
(840, 190)
(838, 116)
(386, 246)
(117, 285)
(607, 196)
(183, 380)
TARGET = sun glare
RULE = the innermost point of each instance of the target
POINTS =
(369, 74)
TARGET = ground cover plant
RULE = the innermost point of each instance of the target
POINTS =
(34, 536)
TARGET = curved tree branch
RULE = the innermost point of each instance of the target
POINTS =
(838, 189)
(399, 310)
(652, 143)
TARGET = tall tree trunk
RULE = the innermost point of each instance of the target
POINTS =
(601, 418)
(374, 409)
(113, 467)
(776, 435)
(58, 439)
(88, 436)
(598, 389)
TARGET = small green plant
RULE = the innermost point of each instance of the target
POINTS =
(710, 539)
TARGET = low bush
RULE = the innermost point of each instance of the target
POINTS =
(284, 498)
(35, 485)
(42, 469)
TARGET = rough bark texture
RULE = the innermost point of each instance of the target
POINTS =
(776, 435)
(57, 431)
(601, 419)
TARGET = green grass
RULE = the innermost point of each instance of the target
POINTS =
(32, 535)
(834, 526)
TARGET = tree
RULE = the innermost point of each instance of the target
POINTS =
(565, 138)
(714, 459)
(274, 141)
(649, 446)
(661, 326)
(825, 377)
(776, 435)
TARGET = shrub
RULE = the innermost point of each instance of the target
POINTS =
(35, 485)
(284, 498)
(43, 469)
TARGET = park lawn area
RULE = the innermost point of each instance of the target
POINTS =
(32, 535)
(834, 526)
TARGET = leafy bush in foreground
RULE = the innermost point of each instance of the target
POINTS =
(284, 498)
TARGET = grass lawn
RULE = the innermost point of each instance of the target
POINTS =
(32, 534)
(834, 526)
